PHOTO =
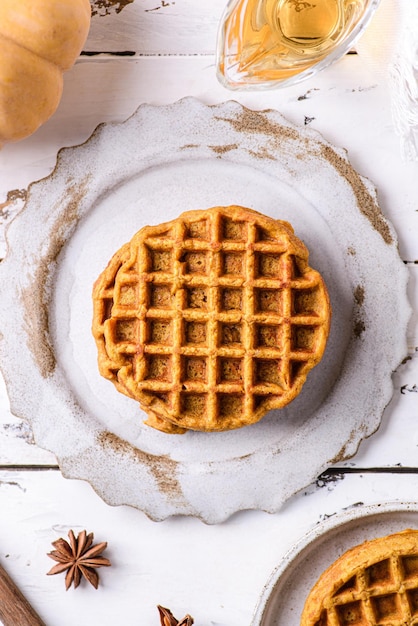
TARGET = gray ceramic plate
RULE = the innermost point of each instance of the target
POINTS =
(160, 162)
(284, 595)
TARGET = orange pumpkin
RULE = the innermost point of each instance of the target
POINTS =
(39, 40)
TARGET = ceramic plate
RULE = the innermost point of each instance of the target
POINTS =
(285, 593)
(160, 162)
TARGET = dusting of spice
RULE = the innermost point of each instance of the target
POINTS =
(262, 153)
(359, 295)
(37, 311)
(367, 205)
(257, 122)
(359, 328)
(163, 468)
(223, 149)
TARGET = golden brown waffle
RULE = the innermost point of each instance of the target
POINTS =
(373, 584)
(211, 320)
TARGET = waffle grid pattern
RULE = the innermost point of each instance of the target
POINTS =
(227, 327)
(385, 593)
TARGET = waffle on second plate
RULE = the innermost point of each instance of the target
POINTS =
(210, 320)
(372, 584)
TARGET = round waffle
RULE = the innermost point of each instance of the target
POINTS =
(373, 584)
(210, 320)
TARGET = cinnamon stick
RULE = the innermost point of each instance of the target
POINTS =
(15, 610)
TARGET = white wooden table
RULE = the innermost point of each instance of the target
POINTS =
(158, 51)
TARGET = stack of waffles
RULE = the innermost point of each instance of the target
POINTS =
(210, 320)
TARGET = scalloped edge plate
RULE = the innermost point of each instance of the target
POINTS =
(159, 162)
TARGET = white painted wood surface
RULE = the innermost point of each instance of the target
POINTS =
(155, 27)
(214, 573)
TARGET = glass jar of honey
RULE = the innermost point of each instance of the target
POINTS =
(273, 43)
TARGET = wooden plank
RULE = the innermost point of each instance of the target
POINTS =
(41, 507)
(155, 26)
(165, 26)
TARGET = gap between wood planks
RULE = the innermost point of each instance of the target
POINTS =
(332, 471)
(139, 55)
(132, 53)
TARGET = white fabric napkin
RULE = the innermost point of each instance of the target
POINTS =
(390, 46)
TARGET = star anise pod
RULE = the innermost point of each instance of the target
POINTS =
(168, 619)
(79, 558)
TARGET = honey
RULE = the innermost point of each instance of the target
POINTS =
(268, 41)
